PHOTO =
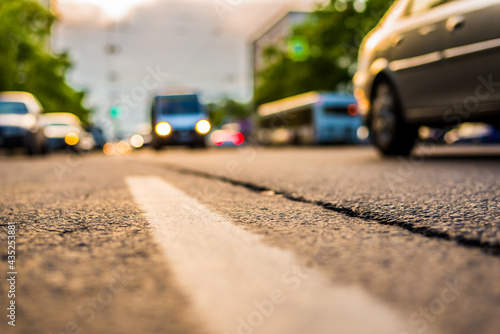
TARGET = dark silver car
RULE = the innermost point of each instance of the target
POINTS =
(429, 62)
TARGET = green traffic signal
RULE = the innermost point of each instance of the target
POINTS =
(116, 111)
(298, 48)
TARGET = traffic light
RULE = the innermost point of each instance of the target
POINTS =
(116, 111)
(298, 48)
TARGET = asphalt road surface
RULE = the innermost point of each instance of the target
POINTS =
(253, 240)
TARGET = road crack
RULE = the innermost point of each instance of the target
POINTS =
(491, 248)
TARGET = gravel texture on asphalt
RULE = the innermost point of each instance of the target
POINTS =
(80, 234)
(85, 257)
(407, 270)
(450, 196)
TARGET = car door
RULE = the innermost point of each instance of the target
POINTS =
(416, 56)
(473, 56)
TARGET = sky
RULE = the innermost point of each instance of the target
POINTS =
(162, 46)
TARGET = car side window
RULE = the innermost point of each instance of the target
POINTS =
(418, 7)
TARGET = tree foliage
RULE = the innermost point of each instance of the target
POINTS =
(227, 110)
(28, 65)
(334, 34)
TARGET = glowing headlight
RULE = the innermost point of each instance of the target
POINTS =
(203, 127)
(163, 129)
(137, 141)
(71, 139)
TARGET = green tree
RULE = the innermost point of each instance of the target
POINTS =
(333, 35)
(227, 109)
(28, 65)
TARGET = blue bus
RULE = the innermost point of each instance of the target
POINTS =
(312, 118)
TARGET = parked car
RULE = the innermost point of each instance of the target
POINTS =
(473, 133)
(64, 130)
(429, 62)
(19, 127)
(178, 120)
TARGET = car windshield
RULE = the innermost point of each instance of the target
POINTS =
(17, 108)
(177, 105)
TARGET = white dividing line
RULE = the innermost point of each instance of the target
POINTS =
(238, 285)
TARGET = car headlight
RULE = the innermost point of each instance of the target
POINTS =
(137, 141)
(72, 138)
(163, 129)
(203, 127)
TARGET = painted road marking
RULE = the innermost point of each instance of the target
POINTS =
(238, 285)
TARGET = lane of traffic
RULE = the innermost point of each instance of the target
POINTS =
(456, 199)
(408, 271)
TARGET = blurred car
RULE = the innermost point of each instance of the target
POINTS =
(429, 62)
(229, 135)
(64, 130)
(178, 120)
(473, 133)
(19, 113)
(98, 135)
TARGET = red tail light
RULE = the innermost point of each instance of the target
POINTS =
(238, 138)
(352, 109)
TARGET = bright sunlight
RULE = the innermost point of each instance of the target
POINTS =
(115, 9)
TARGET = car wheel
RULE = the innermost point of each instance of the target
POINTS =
(156, 143)
(198, 143)
(391, 134)
(297, 139)
(31, 145)
(45, 149)
(202, 143)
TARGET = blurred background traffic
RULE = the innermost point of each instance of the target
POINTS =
(115, 76)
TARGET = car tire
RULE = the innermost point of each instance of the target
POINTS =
(198, 143)
(202, 143)
(156, 143)
(31, 145)
(45, 149)
(390, 133)
(297, 139)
